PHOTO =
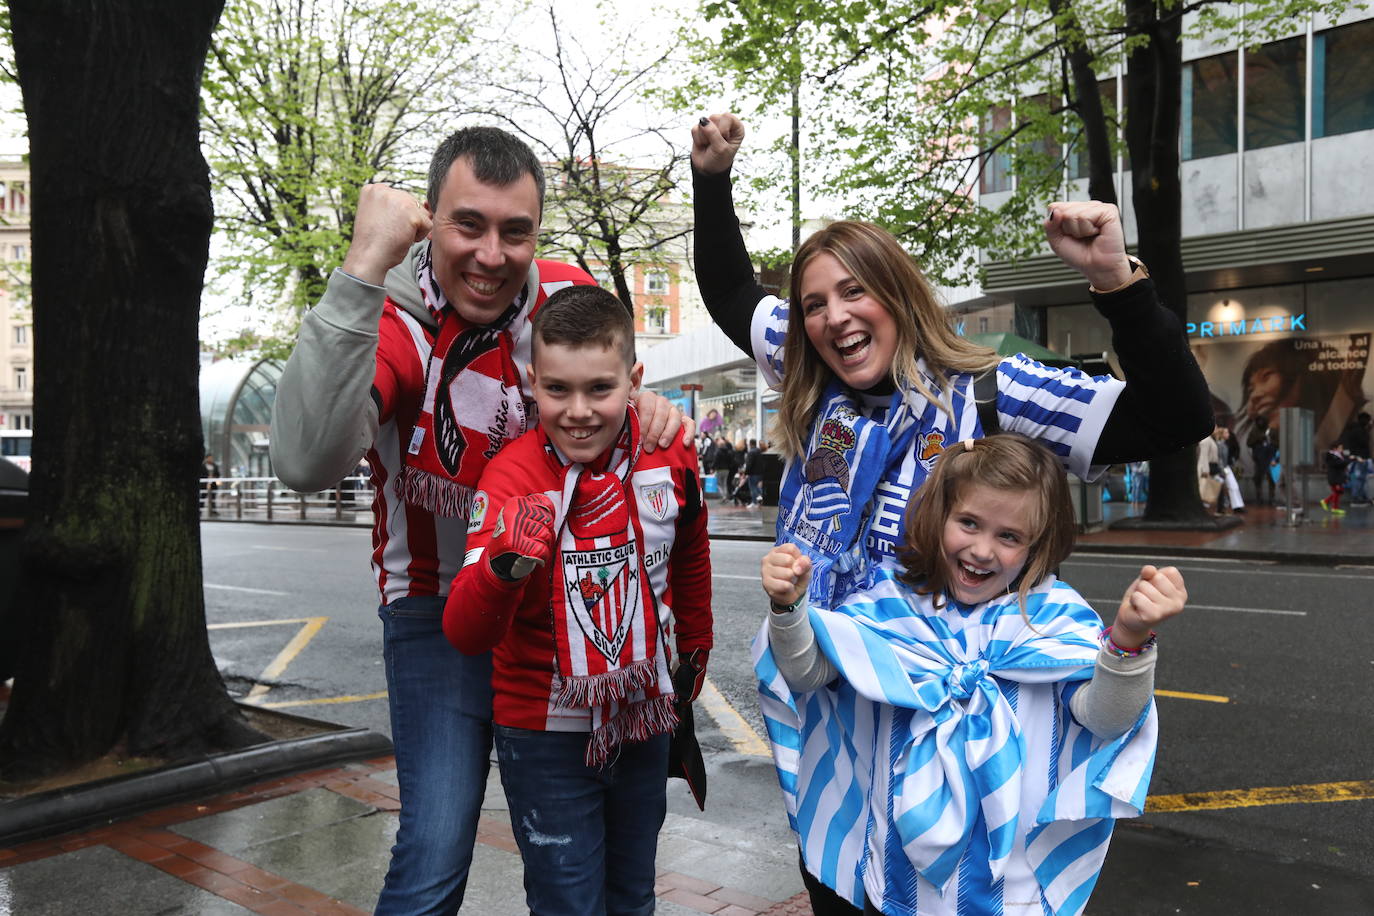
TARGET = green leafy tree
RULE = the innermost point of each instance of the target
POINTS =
(907, 105)
(305, 101)
(613, 170)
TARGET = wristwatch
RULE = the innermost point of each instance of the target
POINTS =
(1138, 272)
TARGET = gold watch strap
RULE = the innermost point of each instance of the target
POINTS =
(1138, 272)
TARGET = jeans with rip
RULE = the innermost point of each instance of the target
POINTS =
(441, 727)
(588, 835)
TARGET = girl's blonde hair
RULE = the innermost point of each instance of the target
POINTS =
(884, 269)
(1003, 462)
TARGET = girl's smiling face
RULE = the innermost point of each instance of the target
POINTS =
(986, 540)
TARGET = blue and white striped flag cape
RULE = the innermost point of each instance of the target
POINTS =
(956, 747)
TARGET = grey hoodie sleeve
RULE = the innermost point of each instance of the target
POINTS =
(1110, 703)
(799, 658)
(324, 417)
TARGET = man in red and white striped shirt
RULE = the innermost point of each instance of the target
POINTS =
(359, 383)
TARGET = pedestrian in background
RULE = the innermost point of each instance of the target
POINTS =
(1209, 472)
(723, 464)
(1356, 441)
(1226, 459)
(1336, 461)
(1263, 450)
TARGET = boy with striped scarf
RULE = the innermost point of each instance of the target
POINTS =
(584, 554)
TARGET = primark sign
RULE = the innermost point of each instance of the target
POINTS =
(1244, 326)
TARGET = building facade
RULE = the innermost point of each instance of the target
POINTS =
(16, 328)
(1278, 230)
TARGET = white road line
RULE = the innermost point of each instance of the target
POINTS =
(1114, 602)
(244, 588)
(1193, 566)
(1083, 557)
(292, 549)
(758, 578)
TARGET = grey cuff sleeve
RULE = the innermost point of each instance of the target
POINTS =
(799, 658)
(1109, 704)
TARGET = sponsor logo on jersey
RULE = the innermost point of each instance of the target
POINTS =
(479, 511)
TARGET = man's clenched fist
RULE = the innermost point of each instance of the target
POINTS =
(523, 537)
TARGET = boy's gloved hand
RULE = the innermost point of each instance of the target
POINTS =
(523, 537)
(690, 675)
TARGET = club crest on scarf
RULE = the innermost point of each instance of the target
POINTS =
(603, 592)
(929, 447)
(827, 469)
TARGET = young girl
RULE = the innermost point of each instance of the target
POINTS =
(964, 730)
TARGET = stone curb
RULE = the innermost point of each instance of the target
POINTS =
(74, 807)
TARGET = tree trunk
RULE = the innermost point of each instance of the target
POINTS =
(1154, 88)
(1101, 162)
(115, 649)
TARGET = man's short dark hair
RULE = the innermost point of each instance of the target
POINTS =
(583, 316)
(497, 158)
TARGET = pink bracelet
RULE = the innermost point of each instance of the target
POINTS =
(1119, 652)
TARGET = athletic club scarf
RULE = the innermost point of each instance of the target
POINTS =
(826, 496)
(609, 653)
(965, 747)
(472, 405)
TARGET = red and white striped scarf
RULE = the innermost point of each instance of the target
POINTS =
(472, 405)
(610, 653)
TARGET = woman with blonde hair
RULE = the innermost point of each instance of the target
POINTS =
(878, 384)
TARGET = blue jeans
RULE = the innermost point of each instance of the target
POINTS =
(441, 727)
(1359, 474)
(588, 836)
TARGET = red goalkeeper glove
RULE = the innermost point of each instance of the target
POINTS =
(690, 675)
(523, 537)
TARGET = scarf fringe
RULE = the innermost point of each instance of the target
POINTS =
(600, 689)
(639, 722)
(443, 496)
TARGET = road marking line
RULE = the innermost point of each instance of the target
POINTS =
(1089, 557)
(1317, 793)
(758, 578)
(1181, 695)
(1215, 607)
(244, 588)
(309, 627)
(1198, 565)
(292, 549)
(730, 722)
(285, 704)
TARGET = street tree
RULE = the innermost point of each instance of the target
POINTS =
(114, 645)
(613, 167)
(305, 101)
(913, 103)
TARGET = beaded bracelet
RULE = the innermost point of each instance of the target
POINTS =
(1119, 652)
(785, 608)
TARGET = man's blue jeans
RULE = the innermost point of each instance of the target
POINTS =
(441, 728)
(588, 835)
(1359, 474)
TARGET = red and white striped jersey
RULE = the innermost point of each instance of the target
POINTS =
(670, 529)
(415, 553)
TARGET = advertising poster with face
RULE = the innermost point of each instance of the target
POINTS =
(1329, 374)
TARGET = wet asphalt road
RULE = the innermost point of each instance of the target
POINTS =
(1275, 663)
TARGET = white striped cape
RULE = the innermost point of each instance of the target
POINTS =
(912, 776)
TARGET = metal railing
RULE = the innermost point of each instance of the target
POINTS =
(268, 499)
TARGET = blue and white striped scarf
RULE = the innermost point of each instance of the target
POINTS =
(963, 751)
(826, 497)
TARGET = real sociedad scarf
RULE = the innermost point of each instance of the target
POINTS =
(610, 654)
(964, 750)
(827, 494)
(472, 404)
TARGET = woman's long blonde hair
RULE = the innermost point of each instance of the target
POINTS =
(882, 267)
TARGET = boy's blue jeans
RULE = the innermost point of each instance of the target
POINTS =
(441, 728)
(588, 836)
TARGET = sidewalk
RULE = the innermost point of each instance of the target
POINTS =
(318, 843)
(1263, 534)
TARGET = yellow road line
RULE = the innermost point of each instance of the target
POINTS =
(285, 704)
(731, 723)
(1204, 697)
(1316, 793)
(310, 627)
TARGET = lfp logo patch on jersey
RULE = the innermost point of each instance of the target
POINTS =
(656, 498)
(479, 511)
(603, 592)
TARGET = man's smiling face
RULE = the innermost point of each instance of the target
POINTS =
(483, 241)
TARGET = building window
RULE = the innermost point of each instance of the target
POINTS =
(19, 252)
(1275, 105)
(656, 282)
(21, 421)
(996, 174)
(603, 278)
(1343, 80)
(656, 321)
(21, 335)
(1208, 125)
(21, 379)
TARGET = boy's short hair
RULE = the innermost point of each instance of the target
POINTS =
(583, 316)
(1008, 462)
